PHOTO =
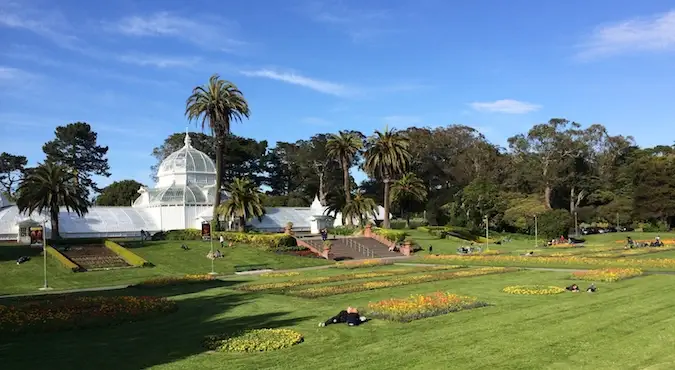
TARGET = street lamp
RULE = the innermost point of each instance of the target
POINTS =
(44, 254)
(536, 236)
(487, 232)
(576, 226)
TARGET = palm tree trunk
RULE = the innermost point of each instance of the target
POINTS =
(407, 220)
(346, 183)
(385, 223)
(242, 224)
(54, 216)
(219, 174)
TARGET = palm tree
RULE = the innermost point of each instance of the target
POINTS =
(360, 207)
(345, 146)
(406, 191)
(335, 203)
(217, 104)
(245, 202)
(387, 155)
(49, 187)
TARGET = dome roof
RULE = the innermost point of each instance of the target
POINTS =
(177, 194)
(185, 161)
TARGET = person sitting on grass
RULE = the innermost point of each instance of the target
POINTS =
(591, 289)
(184, 247)
(218, 254)
(350, 316)
(573, 288)
(22, 259)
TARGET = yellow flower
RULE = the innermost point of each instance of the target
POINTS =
(533, 289)
(608, 275)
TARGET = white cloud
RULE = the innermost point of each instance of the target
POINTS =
(325, 87)
(207, 32)
(402, 120)
(316, 121)
(509, 106)
(359, 24)
(158, 60)
(49, 24)
(655, 33)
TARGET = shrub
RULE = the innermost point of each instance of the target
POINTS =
(68, 312)
(316, 292)
(279, 274)
(258, 340)
(281, 285)
(533, 289)
(161, 282)
(608, 275)
(268, 242)
(343, 230)
(128, 256)
(63, 260)
(391, 235)
(554, 223)
(421, 306)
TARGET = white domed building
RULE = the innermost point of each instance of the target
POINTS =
(182, 198)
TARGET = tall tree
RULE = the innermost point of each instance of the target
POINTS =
(75, 148)
(406, 192)
(50, 187)
(119, 193)
(216, 105)
(386, 156)
(245, 202)
(11, 171)
(346, 147)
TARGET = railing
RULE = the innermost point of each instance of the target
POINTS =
(359, 247)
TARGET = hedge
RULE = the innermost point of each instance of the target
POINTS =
(391, 235)
(70, 265)
(131, 258)
(268, 242)
(456, 231)
(343, 230)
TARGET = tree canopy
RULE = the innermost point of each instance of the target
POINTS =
(119, 193)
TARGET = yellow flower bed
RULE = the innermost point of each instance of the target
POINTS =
(608, 275)
(658, 263)
(363, 263)
(280, 274)
(631, 252)
(421, 306)
(323, 291)
(173, 280)
(533, 289)
(258, 340)
(343, 277)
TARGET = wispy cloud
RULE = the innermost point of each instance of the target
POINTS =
(46, 23)
(647, 34)
(316, 121)
(399, 121)
(325, 87)
(509, 106)
(158, 61)
(205, 31)
(358, 23)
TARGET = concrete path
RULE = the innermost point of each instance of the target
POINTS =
(395, 259)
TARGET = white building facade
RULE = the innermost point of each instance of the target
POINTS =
(182, 198)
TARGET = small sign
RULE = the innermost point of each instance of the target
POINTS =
(206, 230)
(36, 235)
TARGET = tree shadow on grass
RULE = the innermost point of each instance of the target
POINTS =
(140, 344)
(13, 252)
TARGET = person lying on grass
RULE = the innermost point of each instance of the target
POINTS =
(573, 288)
(22, 259)
(592, 288)
(350, 316)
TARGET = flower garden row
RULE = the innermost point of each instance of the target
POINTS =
(281, 285)
(655, 263)
(66, 313)
(324, 291)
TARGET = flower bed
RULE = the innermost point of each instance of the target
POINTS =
(279, 274)
(258, 340)
(344, 277)
(630, 252)
(533, 289)
(324, 291)
(608, 275)
(65, 313)
(363, 263)
(421, 306)
(653, 263)
(174, 280)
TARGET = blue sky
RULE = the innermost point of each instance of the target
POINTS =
(126, 67)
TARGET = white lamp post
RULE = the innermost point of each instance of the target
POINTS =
(44, 254)
(536, 236)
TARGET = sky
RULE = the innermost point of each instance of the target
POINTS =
(126, 68)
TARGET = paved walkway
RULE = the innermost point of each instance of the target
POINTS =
(395, 259)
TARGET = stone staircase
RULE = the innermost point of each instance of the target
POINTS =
(354, 248)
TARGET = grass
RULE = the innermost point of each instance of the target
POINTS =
(167, 256)
(629, 320)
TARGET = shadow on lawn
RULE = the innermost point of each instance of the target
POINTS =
(141, 344)
(13, 252)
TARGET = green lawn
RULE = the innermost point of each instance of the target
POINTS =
(626, 325)
(168, 257)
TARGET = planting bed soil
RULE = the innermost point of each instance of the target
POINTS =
(93, 256)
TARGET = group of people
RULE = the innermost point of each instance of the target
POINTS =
(350, 316)
(630, 243)
(574, 288)
(214, 255)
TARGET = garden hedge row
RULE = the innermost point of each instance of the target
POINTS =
(456, 231)
(70, 265)
(391, 235)
(131, 258)
(265, 241)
